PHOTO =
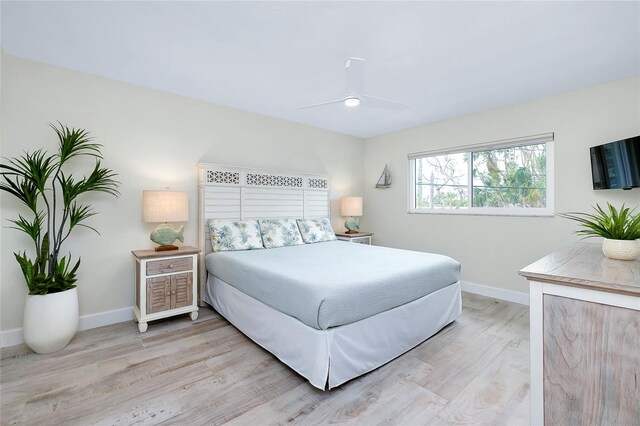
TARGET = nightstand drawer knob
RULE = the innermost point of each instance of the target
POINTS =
(171, 266)
(168, 294)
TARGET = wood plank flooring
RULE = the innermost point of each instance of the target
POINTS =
(475, 371)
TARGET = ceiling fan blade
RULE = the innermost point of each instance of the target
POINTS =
(373, 102)
(354, 70)
(337, 101)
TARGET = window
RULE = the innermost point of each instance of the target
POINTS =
(512, 177)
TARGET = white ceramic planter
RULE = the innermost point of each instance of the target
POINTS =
(50, 321)
(621, 249)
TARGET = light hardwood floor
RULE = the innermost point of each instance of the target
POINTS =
(475, 371)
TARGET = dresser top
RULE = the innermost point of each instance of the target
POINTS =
(151, 253)
(584, 265)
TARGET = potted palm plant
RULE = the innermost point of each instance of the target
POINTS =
(620, 229)
(52, 196)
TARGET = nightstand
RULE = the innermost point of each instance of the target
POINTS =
(360, 237)
(166, 284)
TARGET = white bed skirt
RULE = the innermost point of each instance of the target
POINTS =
(328, 358)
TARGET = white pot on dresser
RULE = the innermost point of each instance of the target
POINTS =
(621, 249)
(50, 320)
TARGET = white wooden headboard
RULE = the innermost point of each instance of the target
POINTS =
(229, 192)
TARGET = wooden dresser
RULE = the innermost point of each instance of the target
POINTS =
(358, 237)
(166, 283)
(585, 338)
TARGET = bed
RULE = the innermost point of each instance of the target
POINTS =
(330, 310)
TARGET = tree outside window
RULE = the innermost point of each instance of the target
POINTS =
(512, 177)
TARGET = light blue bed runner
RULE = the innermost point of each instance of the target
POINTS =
(333, 283)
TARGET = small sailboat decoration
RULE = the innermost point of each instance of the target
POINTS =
(385, 179)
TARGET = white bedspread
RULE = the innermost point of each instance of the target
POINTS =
(328, 358)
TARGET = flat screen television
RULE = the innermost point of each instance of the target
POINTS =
(616, 164)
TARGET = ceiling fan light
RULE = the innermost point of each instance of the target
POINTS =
(352, 102)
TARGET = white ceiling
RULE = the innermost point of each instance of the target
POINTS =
(445, 59)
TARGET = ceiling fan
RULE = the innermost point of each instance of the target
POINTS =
(353, 93)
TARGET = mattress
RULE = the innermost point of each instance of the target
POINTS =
(333, 283)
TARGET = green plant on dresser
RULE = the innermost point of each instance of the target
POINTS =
(619, 228)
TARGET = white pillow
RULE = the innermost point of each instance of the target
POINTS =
(232, 235)
(280, 233)
(316, 230)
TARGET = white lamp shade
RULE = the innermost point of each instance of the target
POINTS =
(165, 206)
(351, 206)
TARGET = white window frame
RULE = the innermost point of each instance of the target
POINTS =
(548, 211)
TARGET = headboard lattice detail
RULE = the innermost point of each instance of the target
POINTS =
(279, 181)
(219, 176)
(318, 183)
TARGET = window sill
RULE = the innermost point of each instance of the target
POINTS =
(484, 212)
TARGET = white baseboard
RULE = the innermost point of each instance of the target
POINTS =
(105, 318)
(495, 292)
(14, 336)
(11, 337)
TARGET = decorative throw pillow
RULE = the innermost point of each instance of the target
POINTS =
(232, 235)
(316, 230)
(280, 233)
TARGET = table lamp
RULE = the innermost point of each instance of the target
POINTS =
(164, 207)
(351, 207)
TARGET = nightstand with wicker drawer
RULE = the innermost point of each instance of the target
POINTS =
(166, 284)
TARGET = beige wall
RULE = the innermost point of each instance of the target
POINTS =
(492, 249)
(153, 140)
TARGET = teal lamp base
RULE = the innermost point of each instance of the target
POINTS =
(352, 224)
(165, 235)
